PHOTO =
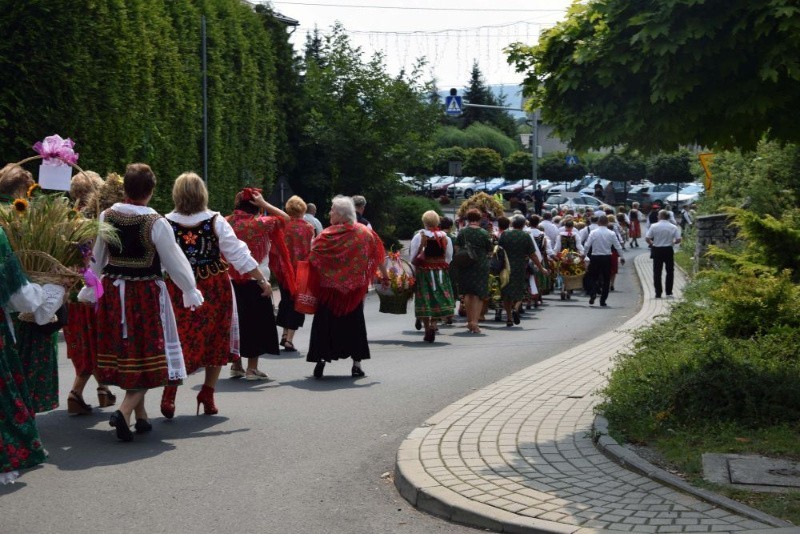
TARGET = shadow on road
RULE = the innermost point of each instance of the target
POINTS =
(332, 382)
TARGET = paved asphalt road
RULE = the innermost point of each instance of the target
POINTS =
(294, 454)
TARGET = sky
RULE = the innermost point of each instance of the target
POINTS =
(450, 35)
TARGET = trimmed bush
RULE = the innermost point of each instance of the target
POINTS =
(408, 214)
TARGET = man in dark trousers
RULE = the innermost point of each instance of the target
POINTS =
(661, 236)
(600, 242)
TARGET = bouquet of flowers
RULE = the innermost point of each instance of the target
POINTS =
(482, 202)
(395, 294)
(570, 263)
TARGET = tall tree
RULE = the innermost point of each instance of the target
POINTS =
(659, 75)
(477, 92)
(362, 126)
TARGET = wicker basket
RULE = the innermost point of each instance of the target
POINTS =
(42, 268)
(573, 281)
(396, 304)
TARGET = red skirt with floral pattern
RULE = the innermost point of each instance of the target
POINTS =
(206, 332)
(80, 334)
(138, 361)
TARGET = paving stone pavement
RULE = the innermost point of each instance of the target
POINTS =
(519, 456)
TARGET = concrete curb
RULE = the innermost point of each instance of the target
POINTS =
(630, 460)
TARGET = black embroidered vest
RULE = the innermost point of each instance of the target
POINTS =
(200, 244)
(136, 258)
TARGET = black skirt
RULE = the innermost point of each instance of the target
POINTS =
(258, 334)
(334, 338)
(287, 316)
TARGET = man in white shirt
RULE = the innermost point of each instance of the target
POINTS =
(310, 216)
(599, 245)
(661, 236)
(547, 226)
(686, 217)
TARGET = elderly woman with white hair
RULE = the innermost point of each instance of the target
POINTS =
(343, 260)
(431, 252)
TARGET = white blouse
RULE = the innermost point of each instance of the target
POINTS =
(235, 251)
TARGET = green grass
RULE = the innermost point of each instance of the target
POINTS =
(683, 450)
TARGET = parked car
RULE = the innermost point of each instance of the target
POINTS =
(648, 193)
(573, 201)
(515, 188)
(464, 187)
(439, 189)
(688, 195)
(489, 187)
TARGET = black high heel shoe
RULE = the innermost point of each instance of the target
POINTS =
(142, 426)
(357, 372)
(318, 369)
(117, 420)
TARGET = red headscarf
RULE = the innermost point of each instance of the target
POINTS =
(344, 258)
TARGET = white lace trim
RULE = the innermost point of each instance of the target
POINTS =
(53, 297)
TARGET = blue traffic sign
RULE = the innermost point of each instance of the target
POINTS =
(572, 160)
(452, 105)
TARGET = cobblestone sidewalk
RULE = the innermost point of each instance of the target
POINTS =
(518, 455)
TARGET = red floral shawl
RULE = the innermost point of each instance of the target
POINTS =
(258, 233)
(299, 234)
(344, 258)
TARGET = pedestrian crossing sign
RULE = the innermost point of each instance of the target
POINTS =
(452, 105)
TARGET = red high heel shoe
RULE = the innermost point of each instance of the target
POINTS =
(206, 398)
(168, 401)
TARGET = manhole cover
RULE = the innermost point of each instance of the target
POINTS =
(750, 472)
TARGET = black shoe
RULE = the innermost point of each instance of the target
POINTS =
(418, 324)
(142, 426)
(357, 372)
(603, 303)
(117, 420)
(611, 288)
(591, 300)
(318, 369)
(658, 296)
(515, 316)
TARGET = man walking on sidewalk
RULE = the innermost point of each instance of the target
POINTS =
(599, 245)
(661, 236)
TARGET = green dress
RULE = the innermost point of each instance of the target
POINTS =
(474, 279)
(20, 445)
(519, 247)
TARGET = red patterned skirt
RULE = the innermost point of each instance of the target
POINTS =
(206, 332)
(138, 361)
(80, 333)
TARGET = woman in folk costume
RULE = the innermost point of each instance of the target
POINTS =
(299, 234)
(258, 334)
(37, 350)
(209, 335)
(80, 332)
(343, 260)
(20, 445)
(137, 344)
(635, 222)
(433, 292)
(520, 248)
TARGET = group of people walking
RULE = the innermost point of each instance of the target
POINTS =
(170, 295)
(191, 290)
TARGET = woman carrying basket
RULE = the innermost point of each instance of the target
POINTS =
(431, 253)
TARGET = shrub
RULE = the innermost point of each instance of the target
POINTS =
(408, 214)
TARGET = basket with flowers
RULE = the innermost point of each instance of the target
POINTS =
(571, 269)
(50, 238)
(395, 292)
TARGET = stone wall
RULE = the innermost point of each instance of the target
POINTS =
(712, 230)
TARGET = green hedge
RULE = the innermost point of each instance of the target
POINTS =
(408, 214)
(123, 79)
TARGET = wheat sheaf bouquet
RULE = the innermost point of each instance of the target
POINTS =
(51, 239)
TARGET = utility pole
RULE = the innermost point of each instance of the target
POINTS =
(535, 147)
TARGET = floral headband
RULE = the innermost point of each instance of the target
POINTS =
(249, 193)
